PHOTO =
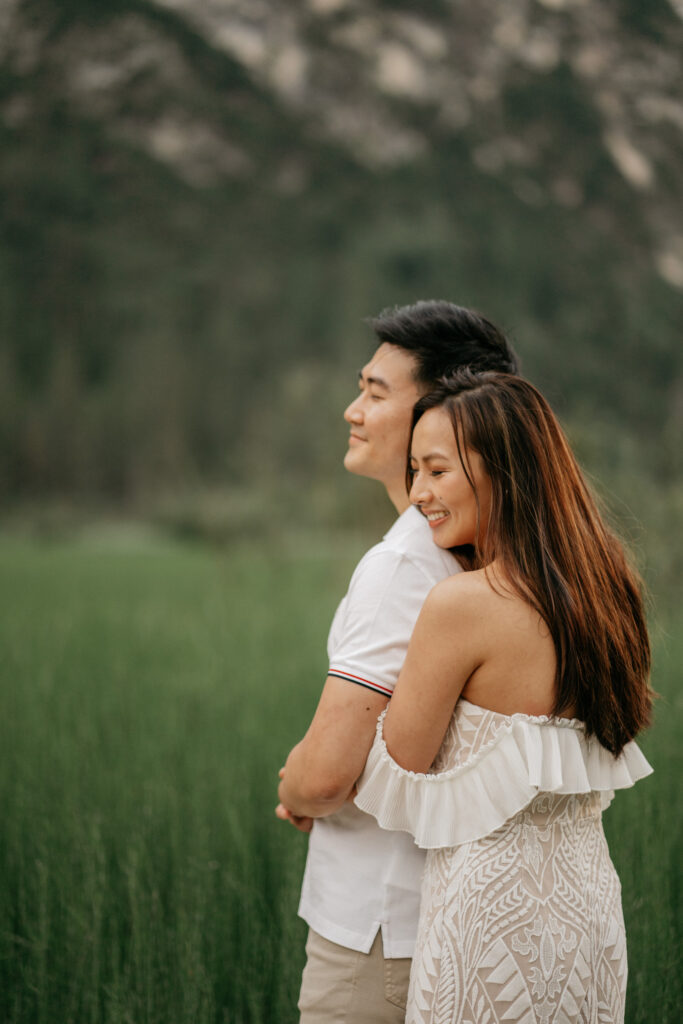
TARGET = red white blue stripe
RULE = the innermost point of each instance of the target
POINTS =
(341, 673)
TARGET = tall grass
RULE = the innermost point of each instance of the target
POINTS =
(148, 696)
(644, 831)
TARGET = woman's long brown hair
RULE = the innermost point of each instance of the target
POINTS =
(547, 534)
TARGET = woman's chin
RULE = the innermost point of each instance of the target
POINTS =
(442, 541)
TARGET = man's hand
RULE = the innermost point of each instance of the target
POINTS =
(301, 822)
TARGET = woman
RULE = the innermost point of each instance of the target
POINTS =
(527, 679)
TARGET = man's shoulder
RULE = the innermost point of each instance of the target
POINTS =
(409, 541)
(373, 624)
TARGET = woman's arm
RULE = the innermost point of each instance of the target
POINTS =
(443, 653)
(321, 770)
(445, 649)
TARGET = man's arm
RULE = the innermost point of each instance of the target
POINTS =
(322, 769)
(384, 599)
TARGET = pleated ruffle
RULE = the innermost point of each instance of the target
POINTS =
(528, 755)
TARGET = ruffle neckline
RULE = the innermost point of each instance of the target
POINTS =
(562, 723)
(526, 756)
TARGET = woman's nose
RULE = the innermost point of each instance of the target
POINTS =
(419, 491)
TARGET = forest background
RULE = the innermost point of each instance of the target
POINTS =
(201, 201)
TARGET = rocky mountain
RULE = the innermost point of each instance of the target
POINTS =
(526, 85)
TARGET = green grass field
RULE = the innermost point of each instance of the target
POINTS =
(149, 694)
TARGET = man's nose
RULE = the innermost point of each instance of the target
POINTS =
(353, 412)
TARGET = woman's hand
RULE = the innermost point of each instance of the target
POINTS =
(299, 821)
(302, 823)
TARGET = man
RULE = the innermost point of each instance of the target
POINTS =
(360, 894)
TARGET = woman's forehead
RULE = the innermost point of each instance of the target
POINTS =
(434, 429)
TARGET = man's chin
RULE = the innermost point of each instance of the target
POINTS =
(355, 463)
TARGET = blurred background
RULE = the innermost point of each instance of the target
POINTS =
(201, 203)
(203, 199)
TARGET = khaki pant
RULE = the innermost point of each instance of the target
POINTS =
(341, 986)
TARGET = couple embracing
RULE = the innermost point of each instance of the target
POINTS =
(457, 869)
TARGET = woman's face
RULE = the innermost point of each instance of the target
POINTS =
(440, 488)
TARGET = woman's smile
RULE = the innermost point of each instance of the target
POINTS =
(441, 488)
(435, 518)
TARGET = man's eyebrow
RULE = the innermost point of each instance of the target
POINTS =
(377, 381)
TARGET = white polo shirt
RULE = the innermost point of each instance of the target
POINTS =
(359, 877)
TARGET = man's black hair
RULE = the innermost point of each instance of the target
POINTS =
(443, 338)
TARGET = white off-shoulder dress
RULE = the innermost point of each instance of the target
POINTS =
(520, 917)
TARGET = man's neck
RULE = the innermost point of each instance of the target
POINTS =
(397, 496)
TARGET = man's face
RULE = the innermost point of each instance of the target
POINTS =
(381, 415)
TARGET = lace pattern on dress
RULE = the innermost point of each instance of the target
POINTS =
(520, 919)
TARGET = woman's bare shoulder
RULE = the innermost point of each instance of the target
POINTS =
(482, 585)
(485, 597)
(471, 596)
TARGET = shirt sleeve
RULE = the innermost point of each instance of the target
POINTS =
(383, 602)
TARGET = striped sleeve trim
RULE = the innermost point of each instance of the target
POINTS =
(340, 673)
